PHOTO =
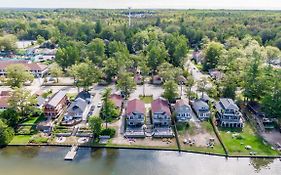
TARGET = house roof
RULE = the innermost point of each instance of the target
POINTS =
(84, 95)
(54, 101)
(226, 103)
(200, 104)
(160, 105)
(79, 103)
(5, 93)
(181, 102)
(117, 100)
(135, 105)
(29, 65)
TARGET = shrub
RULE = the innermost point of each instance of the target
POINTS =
(109, 131)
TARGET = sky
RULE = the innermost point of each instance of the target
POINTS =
(160, 4)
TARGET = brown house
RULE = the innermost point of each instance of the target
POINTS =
(56, 105)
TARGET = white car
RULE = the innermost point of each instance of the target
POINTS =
(99, 104)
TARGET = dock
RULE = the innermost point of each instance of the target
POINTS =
(71, 153)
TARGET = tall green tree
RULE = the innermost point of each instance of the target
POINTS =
(56, 71)
(67, 56)
(170, 90)
(96, 51)
(17, 75)
(95, 124)
(22, 102)
(8, 42)
(202, 86)
(212, 52)
(6, 134)
(125, 83)
(10, 117)
(85, 74)
(108, 110)
(156, 54)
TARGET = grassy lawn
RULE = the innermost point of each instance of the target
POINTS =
(34, 120)
(71, 96)
(146, 99)
(20, 139)
(236, 139)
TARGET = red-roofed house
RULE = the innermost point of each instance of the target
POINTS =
(4, 98)
(37, 69)
(161, 114)
(135, 112)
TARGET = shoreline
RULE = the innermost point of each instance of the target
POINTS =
(147, 149)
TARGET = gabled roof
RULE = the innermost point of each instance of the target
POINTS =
(226, 103)
(79, 103)
(84, 95)
(135, 105)
(200, 104)
(5, 93)
(181, 102)
(54, 101)
(28, 65)
(117, 100)
(160, 105)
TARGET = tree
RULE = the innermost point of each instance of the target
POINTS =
(95, 124)
(202, 86)
(189, 83)
(96, 51)
(22, 102)
(125, 83)
(157, 54)
(67, 56)
(168, 72)
(177, 48)
(10, 117)
(110, 69)
(212, 52)
(17, 75)
(170, 90)
(253, 84)
(85, 74)
(56, 71)
(8, 43)
(144, 72)
(272, 53)
(108, 110)
(6, 134)
(98, 27)
(271, 101)
(40, 39)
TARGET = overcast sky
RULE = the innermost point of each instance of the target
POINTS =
(177, 4)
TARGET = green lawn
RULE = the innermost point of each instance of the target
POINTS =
(146, 99)
(236, 139)
(20, 139)
(34, 120)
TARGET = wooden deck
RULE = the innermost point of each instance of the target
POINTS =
(71, 153)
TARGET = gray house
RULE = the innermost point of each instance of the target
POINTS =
(183, 111)
(135, 112)
(79, 108)
(228, 113)
(201, 109)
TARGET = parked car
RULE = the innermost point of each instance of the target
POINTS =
(99, 105)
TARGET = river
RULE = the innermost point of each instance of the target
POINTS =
(49, 161)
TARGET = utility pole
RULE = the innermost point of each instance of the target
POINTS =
(129, 16)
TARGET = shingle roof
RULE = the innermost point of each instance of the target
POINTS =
(54, 101)
(226, 103)
(78, 103)
(135, 105)
(29, 65)
(199, 104)
(181, 102)
(160, 105)
(84, 95)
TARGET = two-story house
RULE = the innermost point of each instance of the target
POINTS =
(37, 69)
(202, 110)
(135, 113)
(182, 111)
(80, 107)
(228, 113)
(56, 105)
(161, 114)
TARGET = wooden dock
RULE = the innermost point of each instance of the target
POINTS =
(71, 153)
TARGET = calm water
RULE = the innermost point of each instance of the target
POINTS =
(49, 161)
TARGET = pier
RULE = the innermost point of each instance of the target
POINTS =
(71, 153)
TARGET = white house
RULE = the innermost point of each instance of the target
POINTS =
(182, 111)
